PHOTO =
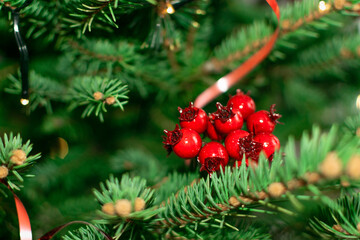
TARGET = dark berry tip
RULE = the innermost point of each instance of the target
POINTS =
(223, 113)
(273, 115)
(172, 137)
(211, 164)
(189, 113)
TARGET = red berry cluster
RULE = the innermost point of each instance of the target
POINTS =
(224, 126)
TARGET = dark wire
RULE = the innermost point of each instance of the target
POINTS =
(178, 4)
(24, 54)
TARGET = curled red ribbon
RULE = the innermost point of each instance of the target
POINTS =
(23, 217)
(224, 83)
(25, 226)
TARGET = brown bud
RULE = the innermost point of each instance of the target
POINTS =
(331, 167)
(262, 195)
(18, 157)
(356, 7)
(123, 207)
(309, 18)
(98, 96)
(358, 227)
(286, 24)
(245, 200)
(276, 189)
(4, 172)
(108, 208)
(338, 228)
(139, 204)
(256, 44)
(358, 129)
(345, 183)
(234, 202)
(110, 100)
(294, 184)
(312, 177)
(346, 53)
(339, 4)
(297, 24)
(353, 167)
(358, 51)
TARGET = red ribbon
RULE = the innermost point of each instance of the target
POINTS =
(24, 221)
(224, 83)
(25, 226)
(23, 217)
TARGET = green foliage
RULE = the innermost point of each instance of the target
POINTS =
(132, 161)
(239, 40)
(309, 76)
(129, 189)
(87, 13)
(83, 89)
(88, 232)
(341, 222)
(173, 183)
(42, 90)
(352, 124)
(308, 24)
(13, 3)
(16, 171)
(333, 57)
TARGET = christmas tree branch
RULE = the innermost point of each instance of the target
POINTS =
(88, 10)
(14, 159)
(106, 58)
(341, 53)
(96, 93)
(43, 90)
(293, 24)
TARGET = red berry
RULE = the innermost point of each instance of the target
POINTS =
(193, 118)
(211, 131)
(242, 103)
(263, 121)
(234, 144)
(269, 144)
(185, 142)
(212, 156)
(226, 120)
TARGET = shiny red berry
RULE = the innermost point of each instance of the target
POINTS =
(234, 144)
(226, 120)
(269, 144)
(242, 103)
(263, 121)
(211, 131)
(193, 118)
(212, 156)
(185, 142)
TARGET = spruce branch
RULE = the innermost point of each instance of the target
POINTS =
(12, 4)
(237, 195)
(341, 53)
(15, 158)
(128, 204)
(42, 91)
(88, 232)
(96, 93)
(105, 11)
(131, 161)
(341, 222)
(101, 56)
(302, 19)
